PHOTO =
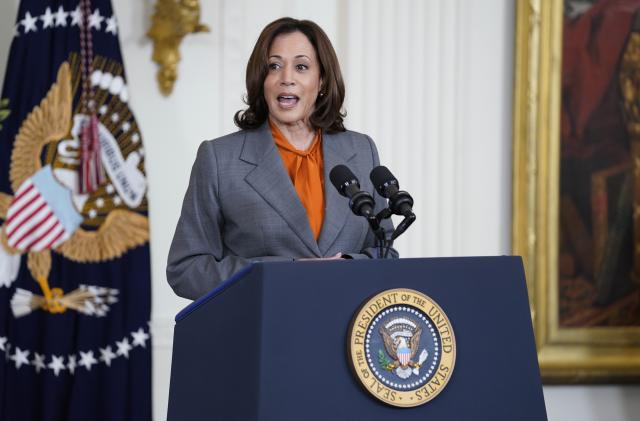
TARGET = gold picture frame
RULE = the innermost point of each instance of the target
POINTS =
(566, 355)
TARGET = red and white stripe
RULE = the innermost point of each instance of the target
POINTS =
(31, 224)
(404, 355)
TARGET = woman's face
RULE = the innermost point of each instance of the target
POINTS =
(293, 79)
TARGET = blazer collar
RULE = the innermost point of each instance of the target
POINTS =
(257, 144)
(270, 180)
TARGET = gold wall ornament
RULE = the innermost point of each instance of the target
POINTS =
(567, 354)
(171, 22)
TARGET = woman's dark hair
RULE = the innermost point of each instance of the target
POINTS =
(327, 114)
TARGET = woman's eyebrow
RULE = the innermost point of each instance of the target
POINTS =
(298, 56)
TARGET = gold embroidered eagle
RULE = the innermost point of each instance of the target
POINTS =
(121, 230)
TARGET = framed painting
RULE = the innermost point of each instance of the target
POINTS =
(576, 184)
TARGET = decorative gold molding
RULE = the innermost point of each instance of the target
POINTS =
(171, 22)
(565, 355)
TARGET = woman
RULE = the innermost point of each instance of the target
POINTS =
(263, 193)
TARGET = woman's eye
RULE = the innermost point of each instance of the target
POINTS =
(274, 66)
(301, 67)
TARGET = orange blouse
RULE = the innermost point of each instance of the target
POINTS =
(306, 171)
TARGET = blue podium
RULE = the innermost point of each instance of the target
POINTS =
(270, 344)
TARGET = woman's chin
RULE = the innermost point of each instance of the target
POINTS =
(287, 119)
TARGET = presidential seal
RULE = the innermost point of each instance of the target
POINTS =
(402, 348)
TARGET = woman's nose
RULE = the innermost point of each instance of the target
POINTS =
(286, 76)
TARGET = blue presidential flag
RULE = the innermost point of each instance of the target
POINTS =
(74, 253)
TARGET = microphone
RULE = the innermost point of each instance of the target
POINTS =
(347, 184)
(400, 202)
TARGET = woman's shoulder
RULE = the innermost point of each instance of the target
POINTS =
(357, 139)
(226, 140)
(362, 137)
(228, 144)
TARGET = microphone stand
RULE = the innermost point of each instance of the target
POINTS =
(378, 230)
(383, 243)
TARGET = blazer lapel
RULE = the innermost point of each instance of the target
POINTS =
(270, 180)
(337, 148)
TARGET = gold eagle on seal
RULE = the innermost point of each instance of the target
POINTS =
(401, 349)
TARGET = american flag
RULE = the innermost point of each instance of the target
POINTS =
(85, 363)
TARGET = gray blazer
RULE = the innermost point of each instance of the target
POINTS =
(241, 207)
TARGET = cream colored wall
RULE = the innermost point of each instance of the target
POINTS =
(430, 80)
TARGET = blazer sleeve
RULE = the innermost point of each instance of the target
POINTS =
(198, 261)
(369, 250)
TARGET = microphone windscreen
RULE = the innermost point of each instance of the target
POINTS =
(381, 176)
(340, 176)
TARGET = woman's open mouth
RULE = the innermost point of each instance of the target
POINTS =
(288, 101)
